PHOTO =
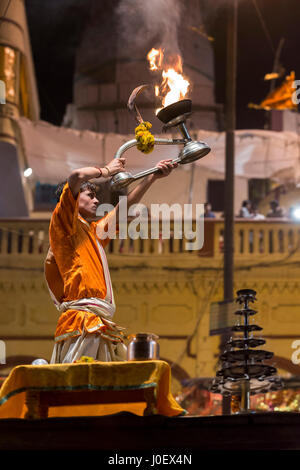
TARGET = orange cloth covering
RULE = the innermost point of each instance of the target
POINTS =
(73, 267)
(281, 97)
(89, 376)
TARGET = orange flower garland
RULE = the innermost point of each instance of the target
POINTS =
(144, 137)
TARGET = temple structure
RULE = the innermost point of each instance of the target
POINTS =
(17, 72)
(111, 61)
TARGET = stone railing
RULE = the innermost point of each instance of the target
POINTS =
(272, 239)
(23, 237)
(269, 238)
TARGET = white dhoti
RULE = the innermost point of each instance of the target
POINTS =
(88, 344)
(102, 346)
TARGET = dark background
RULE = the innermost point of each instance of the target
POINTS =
(56, 26)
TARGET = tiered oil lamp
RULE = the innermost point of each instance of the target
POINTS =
(242, 372)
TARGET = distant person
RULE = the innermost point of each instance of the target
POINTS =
(276, 210)
(208, 212)
(245, 210)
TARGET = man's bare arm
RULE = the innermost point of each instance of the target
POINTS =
(137, 193)
(77, 177)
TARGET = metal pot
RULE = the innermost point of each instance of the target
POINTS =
(143, 347)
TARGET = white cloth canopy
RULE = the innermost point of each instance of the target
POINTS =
(53, 152)
(258, 153)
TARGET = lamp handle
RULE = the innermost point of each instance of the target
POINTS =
(134, 142)
(150, 171)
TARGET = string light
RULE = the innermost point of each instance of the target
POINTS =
(27, 172)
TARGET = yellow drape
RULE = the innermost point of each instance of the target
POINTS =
(89, 376)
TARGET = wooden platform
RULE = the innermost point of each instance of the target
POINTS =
(125, 432)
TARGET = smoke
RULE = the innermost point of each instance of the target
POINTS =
(146, 24)
(212, 8)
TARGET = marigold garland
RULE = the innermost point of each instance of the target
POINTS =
(85, 359)
(144, 137)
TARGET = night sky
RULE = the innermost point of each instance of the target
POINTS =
(55, 28)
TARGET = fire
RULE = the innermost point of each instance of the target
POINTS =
(155, 57)
(176, 83)
(174, 86)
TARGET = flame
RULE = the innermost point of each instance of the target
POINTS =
(155, 57)
(177, 84)
(174, 86)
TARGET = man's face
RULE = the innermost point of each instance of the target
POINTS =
(88, 204)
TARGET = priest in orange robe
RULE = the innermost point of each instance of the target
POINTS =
(76, 268)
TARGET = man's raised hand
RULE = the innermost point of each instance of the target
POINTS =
(116, 165)
(165, 166)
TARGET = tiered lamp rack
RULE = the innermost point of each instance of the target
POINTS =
(242, 371)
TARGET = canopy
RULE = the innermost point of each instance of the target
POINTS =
(53, 152)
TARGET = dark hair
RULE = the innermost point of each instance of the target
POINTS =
(274, 203)
(83, 187)
(245, 203)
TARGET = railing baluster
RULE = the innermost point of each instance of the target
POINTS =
(270, 248)
(14, 241)
(282, 238)
(275, 240)
(36, 241)
(256, 237)
(290, 241)
(125, 246)
(5, 243)
(176, 245)
(146, 246)
(251, 241)
(247, 241)
(241, 241)
(264, 241)
(31, 242)
(157, 246)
